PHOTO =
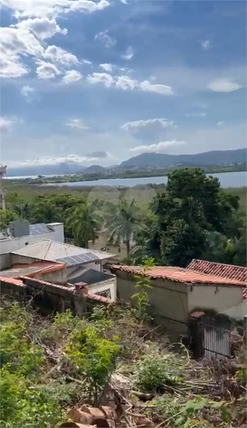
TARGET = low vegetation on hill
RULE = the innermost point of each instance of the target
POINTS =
(50, 366)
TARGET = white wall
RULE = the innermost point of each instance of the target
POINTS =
(237, 312)
(58, 231)
(11, 244)
(218, 298)
(109, 284)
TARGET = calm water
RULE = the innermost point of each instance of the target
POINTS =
(227, 179)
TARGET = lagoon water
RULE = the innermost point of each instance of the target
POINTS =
(227, 179)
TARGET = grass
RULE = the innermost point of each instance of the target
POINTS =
(141, 194)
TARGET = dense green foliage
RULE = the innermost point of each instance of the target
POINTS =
(190, 217)
(49, 365)
(28, 397)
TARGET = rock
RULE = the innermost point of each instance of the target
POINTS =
(96, 413)
(78, 415)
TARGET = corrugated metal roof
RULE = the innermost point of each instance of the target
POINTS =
(47, 249)
(178, 274)
(238, 273)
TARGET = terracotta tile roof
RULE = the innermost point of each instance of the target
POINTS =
(221, 270)
(178, 274)
(245, 293)
(238, 273)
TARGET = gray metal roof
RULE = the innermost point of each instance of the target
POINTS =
(71, 255)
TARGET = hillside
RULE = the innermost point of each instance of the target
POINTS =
(159, 160)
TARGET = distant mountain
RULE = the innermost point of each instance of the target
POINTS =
(145, 160)
(93, 169)
(159, 160)
(55, 169)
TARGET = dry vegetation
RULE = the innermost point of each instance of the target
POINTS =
(52, 367)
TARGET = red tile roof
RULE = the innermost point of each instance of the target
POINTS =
(221, 270)
(238, 273)
(178, 274)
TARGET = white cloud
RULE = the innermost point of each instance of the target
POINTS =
(159, 89)
(57, 54)
(77, 124)
(128, 54)
(104, 78)
(52, 8)
(106, 40)
(37, 21)
(71, 76)
(206, 45)
(47, 70)
(151, 130)
(126, 82)
(26, 91)
(161, 147)
(6, 124)
(223, 85)
(107, 67)
(221, 123)
(138, 124)
(15, 43)
(43, 28)
(70, 159)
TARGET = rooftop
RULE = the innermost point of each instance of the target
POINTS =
(238, 273)
(70, 255)
(30, 269)
(182, 275)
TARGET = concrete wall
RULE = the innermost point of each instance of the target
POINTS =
(58, 229)
(168, 300)
(109, 284)
(218, 298)
(50, 298)
(102, 242)
(57, 277)
(237, 312)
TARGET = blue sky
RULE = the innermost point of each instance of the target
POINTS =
(100, 82)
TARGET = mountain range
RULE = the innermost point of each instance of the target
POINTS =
(142, 161)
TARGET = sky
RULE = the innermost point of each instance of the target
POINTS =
(98, 82)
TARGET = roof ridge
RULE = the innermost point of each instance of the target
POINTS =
(217, 263)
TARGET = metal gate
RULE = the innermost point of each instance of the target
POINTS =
(216, 342)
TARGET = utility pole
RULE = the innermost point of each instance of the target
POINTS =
(2, 189)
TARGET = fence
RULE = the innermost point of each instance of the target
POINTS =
(216, 341)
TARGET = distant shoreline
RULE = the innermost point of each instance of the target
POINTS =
(75, 178)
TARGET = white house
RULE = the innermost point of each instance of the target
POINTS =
(82, 266)
(21, 233)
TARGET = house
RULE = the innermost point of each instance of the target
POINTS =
(225, 271)
(177, 292)
(21, 233)
(71, 265)
(102, 243)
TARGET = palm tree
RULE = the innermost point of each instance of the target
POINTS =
(23, 210)
(45, 211)
(83, 223)
(123, 223)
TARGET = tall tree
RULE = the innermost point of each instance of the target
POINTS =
(124, 222)
(192, 206)
(23, 210)
(84, 223)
